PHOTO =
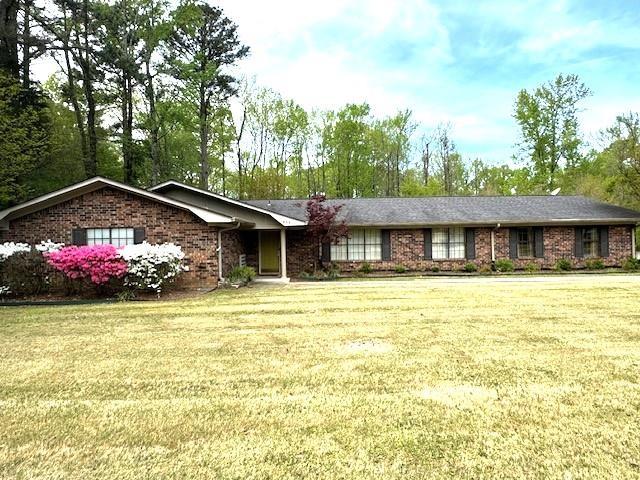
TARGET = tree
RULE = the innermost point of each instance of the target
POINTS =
(9, 62)
(549, 126)
(624, 148)
(24, 138)
(204, 43)
(119, 36)
(322, 224)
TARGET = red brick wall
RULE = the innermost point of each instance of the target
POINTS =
(232, 248)
(109, 207)
(407, 249)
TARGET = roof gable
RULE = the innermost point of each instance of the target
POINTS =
(280, 219)
(96, 183)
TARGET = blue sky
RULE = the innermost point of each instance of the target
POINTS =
(461, 62)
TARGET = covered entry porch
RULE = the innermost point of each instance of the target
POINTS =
(264, 250)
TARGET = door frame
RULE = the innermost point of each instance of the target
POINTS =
(260, 272)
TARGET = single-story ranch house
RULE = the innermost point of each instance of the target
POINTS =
(218, 233)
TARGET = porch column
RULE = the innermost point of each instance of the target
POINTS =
(283, 253)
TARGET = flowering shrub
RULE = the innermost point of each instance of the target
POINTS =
(48, 246)
(152, 266)
(99, 263)
(9, 248)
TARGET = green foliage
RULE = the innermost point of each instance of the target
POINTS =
(532, 267)
(470, 267)
(504, 265)
(24, 138)
(400, 269)
(435, 269)
(365, 268)
(631, 264)
(241, 275)
(563, 265)
(331, 273)
(549, 126)
(594, 264)
(26, 273)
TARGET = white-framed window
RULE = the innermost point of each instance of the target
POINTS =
(525, 243)
(118, 237)
(591, 242)
(447, 243)
(361, 245)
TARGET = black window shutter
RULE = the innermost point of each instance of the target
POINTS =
(579, 250)
(428, 255)
(386, 244)
(138, 235)
(513, 242)
(470, 243)
(326, 252)
(603, 236)
(79, 236)
(538, 242)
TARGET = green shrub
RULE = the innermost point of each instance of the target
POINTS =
(331, 273)
(594, 264)
(470, 267)
(242, 275)
(26, 273)
(563, 265)
(631, 264)
(400, 269)
(504, 265)
(532, 267)
(435, 269)
(366, 268)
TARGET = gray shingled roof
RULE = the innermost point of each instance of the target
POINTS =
(464, 210)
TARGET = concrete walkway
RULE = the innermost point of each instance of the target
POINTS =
(618, 278)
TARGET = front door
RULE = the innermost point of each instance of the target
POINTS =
(269, 253)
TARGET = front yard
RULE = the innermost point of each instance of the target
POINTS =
(424, 378)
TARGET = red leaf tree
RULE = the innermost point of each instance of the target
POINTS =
(323, 225)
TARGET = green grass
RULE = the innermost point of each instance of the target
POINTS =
(423, 378)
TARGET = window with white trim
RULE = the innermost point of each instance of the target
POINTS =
(591, 242)
(525, 243)
(118, 237)
(447, 243)
(361, 245)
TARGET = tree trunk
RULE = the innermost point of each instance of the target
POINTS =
(239, 153)
(9, 38)
(73, 98)
(154, 128)
(26, 49)
(204, 140)
(127, 127)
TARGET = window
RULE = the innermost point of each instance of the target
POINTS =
(525, 243)
(590, 242)
(118, 237)
(447, 243)
(363, 245)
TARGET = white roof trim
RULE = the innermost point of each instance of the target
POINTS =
(205, 215)
(281, 219)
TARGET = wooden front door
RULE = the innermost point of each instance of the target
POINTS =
(269, 253)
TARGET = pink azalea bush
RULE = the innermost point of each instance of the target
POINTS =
(99, 263)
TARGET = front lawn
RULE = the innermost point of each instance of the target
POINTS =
(425, 378)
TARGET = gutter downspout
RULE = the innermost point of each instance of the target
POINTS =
(219, 249)
(634, 253)
(493, 243)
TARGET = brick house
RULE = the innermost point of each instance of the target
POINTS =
(218, 233)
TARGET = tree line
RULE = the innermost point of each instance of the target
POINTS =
(146, 91)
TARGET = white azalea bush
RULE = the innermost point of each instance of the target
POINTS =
(8, 249)
(151, 267)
